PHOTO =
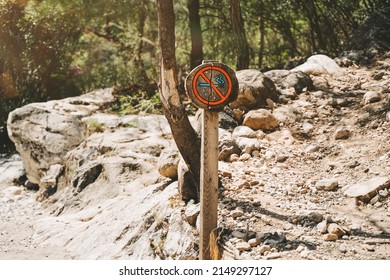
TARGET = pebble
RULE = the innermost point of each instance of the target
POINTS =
(334, 228)
(245, 157)
(264, 248)
(327, 184)
(237, 213)
(243, 246)
(322, 227)
(253, 242)
(343, 248)
(383, 193)
(273, 256)
(342, 133)
(301, 248)
(238, 234)
(330, 237)
(371, 97)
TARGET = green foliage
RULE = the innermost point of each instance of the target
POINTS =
(56, 48)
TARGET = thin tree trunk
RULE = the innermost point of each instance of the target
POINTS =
(196, 33)
(262, 37)
(242, 46)
(186, 138)
(138, 61)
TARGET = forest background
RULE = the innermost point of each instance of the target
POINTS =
(58, 48)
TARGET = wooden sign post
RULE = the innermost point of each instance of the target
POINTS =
(211, 86)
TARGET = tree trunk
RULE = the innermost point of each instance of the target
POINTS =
(196, 33)
(262, 36)
(242, 46)
(186, 138)
(138, 61)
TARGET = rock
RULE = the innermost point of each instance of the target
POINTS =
(253, 242)
(243, 246)
(330, 237)
(320, 82)
(264, 248)
(342, 133)
(322, 227)
(285, 115)
(334, 228)
(248, 145)
(254, 90)
(192, 213)
(287, 79)
(43, 136)
(319, 64)
(240, 235)
(327, 184)
(227, 146)
(245, 156)
(366, 190)
(226, 119)
(371, 97)
(261, 119)
(168, 162)
(384, 193)
(244, 131)
(307, 128)
(237, 213)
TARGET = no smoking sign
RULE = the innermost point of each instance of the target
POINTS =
(212, 85)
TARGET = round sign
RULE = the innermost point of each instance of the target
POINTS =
(212, 85)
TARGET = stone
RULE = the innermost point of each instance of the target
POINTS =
(227, 145)
(327, 184)
(254, 89)
(319, 64)
(366, 190)
(330, 237)
(191, 213)
(253, 242)
(261, 119)
(248, 145)
(342, 133)
(285, 114)
(334, 228)
(322, 227)
(239, 234)
(168, 162)
(287, 79)
(245, 156)
(307, 127)
(237, 213)
(371, 97)
(264, 248)
(243, 131)
(243, 246)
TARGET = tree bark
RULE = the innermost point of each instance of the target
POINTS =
(262, 36)
(196, 56)
(242, 46)
(186, 138)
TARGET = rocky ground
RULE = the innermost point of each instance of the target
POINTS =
(313, 184)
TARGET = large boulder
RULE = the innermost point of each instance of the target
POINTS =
(98, 176)
(254, 90)
(44, 132)
(319, 64)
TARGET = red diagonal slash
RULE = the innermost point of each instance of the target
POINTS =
(212, 85)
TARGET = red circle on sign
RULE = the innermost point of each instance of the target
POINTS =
(214, 88)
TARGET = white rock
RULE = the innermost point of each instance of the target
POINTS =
(327, 184)
(371, 97)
